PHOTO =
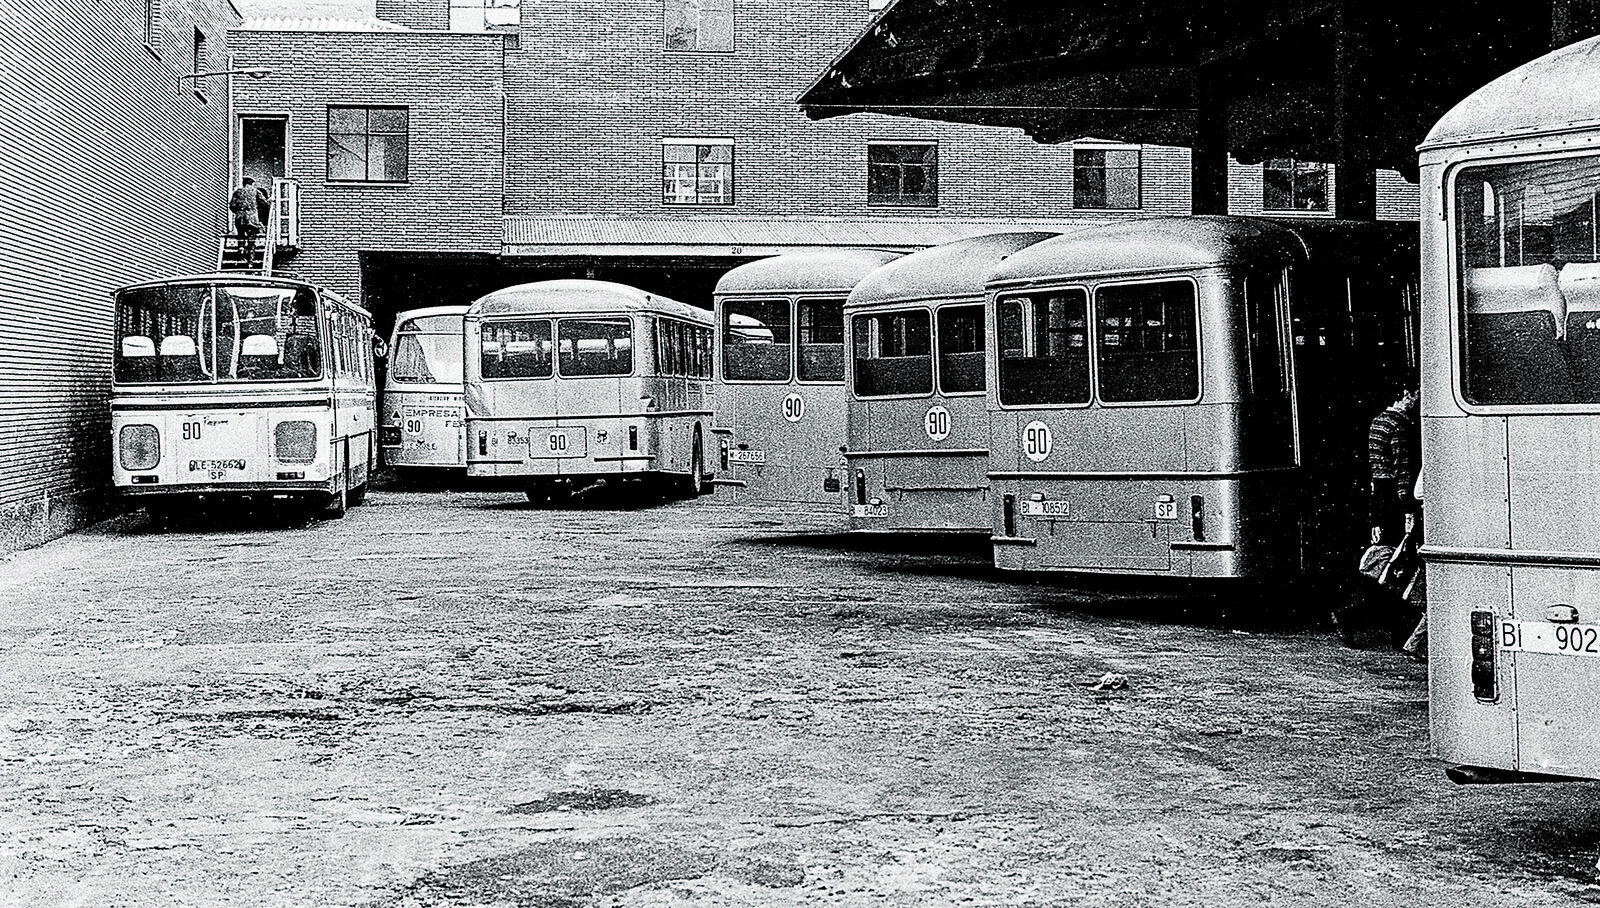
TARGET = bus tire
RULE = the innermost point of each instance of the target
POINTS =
(694, 485)
(338, 504)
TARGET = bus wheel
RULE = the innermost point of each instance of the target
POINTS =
(694, 485)
(338, 504)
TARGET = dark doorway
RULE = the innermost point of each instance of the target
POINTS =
(262, 148)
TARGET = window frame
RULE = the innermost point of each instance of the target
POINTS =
(698, 143)
(844, 343)
(1294, 165)
(1138, 169)
(367, 134)
(938, 347)
(482, 7)
(666, 34)
(1199, 341)
(996, 352)
(850, 347)
(932, 144)
(510, 319)
(153, 24)
(198, 55)
(720, 343)
(555, 343)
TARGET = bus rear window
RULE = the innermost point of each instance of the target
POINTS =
(1146, 340)
(1044, 348)
(519, 349)
(961, 349)
(755, 340)
(893, 354)
(1529, 281)
(821, 340)
(427, 351)
(596, 346)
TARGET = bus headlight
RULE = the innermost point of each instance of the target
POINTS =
(295, 442)
(139, 447)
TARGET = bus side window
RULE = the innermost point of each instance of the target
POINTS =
(1267, 364)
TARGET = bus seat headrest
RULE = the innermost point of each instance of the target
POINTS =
(137, 345)
(1580, 285)
(178, 345)
(1520, 288)
(260, 345)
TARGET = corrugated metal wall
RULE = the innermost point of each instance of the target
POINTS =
(110, 171)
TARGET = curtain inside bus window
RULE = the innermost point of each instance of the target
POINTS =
(595, 346)
(961, 349)
(821, 335)
(1146, 342)
(1529, 285)
(755, 340)
(1044, 348)
(516, 349)
(893, 353)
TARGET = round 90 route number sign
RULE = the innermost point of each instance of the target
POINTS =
(937, 423)
(794, 407)
(1037, 441)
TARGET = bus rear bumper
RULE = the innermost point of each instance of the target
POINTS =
(1489, 775)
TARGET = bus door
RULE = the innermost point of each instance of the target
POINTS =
(1270, 421)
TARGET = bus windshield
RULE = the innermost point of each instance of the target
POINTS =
(427, 351)
(217, 333)
(1529, 282)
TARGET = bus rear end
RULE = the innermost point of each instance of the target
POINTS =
(1511, 427)
(219, 389)
(424, 422)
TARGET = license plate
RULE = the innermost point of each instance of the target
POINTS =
(1052, 508)
(870, 510)
(739, 455)
(1166, 510)
(557, 441)
(1554, 639)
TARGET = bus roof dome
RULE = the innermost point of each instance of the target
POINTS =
(822, 270)
(1556, 91)
(577, 295)
(948, 271)
(1154, 244)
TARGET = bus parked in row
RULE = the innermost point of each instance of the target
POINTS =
(424, 425)
(1511, 423)
(1189, 396)
(780, 376)
(568, 382)
(234, 386)
(916, 424)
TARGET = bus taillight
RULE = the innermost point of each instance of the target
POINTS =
(295, 441)
(722, 453)
(861, 486)
(633, 438)
(139, 447)
(483, 442)
(1197, 518)
(1008, 514)
(1483, 646)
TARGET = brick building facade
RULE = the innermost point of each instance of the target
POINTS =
(114, 169)
(614, 121)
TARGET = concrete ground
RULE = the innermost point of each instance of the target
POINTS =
(453, 698)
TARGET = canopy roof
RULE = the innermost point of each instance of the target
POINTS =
(1286, 71)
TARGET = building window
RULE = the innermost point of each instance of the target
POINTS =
(1105, 178)
(484, 15)
(152, 24)
(904, 174)
(1288, 184)
(699, 25)
(198, 64)
(368, 144)
(697, 172)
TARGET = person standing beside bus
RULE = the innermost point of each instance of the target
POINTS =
(247, 204)
(1392, 443)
